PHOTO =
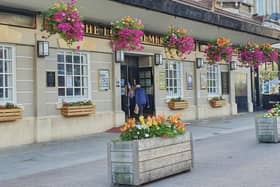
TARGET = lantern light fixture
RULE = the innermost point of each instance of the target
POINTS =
(158, 59)
(199, 63)
(42, 48)
(233, 65)
(119, 56)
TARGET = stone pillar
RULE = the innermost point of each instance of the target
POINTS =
(119, 115)
(249, 91)
(232, 93)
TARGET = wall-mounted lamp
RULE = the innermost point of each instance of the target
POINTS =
(158, 59)
(119, 56)
(199, 63)
(42, 48)
(232, 65)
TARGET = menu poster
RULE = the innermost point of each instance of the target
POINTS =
(225, 82)
(203, 81)
(162, 81)
(104, 79)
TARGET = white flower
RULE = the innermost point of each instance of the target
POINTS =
(146, 135)
(138, 132)
(138, 126)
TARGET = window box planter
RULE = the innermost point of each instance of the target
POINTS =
(268, 129)
(10, 114)
(177, 105)
(217, 103)
(72, 111)
(141, 161)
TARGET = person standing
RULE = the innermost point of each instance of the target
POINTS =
(131, 95)
(141, 99)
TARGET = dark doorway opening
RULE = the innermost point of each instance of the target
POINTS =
(136, 69)
(241, 96)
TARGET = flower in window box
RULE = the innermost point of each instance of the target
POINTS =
(217, 102)
(80, 108)
(177, 40)
(152, 126)
(64, 19)
(219, 50)
(127, 34)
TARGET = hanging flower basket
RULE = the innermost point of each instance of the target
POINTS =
(64, 19)
(177, 40)
(251, 55)
(270, 54)
(127, 34)
(220, 50)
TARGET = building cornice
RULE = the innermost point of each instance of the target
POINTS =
(191, 12)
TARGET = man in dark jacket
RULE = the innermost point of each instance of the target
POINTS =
(141, 98)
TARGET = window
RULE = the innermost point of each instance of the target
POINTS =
(7, 82)
(213, 80)
(174, 84)
(73, 75)
(260, 7)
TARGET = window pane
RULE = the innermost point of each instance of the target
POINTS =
(77, 81)
(1, 66)
(77, 69)
(78, 91)
(8, 80)
(84, 59)
(1, 80)
(69, 91)
(1, 92)
(8, 66)
(8, 93)
(85, 92)
(60, 68)
(84, 82)
(1, 52)
(69, 70)
(76, 59)
(69, 81)
(68, 58)
(60, 58)
(61, 91)
(84, 70)
(61, 81)
(8, 53)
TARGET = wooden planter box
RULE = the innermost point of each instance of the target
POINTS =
(268, 129)
(142, 161)
(72, 111)
(10, 114)
(177, 105)
(217, 104)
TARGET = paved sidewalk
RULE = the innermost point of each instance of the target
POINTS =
(30, 159)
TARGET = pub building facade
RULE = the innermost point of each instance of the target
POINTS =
(39, 85)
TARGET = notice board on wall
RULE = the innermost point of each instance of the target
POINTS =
(225, 82)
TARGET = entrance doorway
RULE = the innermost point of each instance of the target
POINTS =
(241, 96)
(137, 70)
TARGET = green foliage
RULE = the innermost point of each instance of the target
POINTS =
(220, 98)
(178, 99)
(79, 103)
